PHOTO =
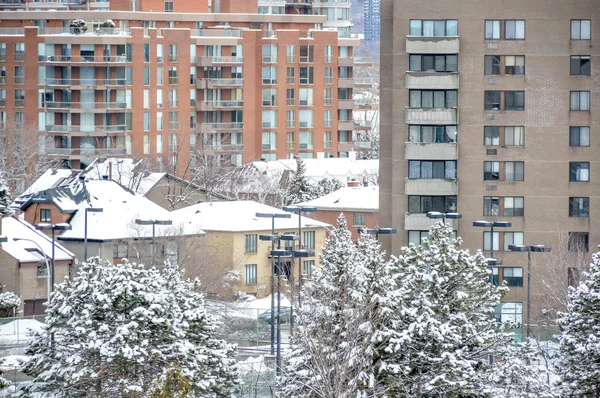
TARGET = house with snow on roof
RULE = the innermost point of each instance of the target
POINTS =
(359, 204)
(112, 234)
(232, 246)
(23, 266)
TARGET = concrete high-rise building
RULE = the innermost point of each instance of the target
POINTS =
(491, 110)
(372, 19)
(176, 80)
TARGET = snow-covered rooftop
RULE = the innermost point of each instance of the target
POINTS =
(50, 179)
(120, 209)
(238, 216)
(130, 173)
(348, 198)
(25, 251)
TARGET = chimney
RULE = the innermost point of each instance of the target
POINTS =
(109, 170)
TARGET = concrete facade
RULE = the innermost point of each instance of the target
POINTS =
(557, 48)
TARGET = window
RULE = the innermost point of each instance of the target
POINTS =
(328, 118)
(19, 54)
(579, 136)
(511, 313)
(359, 219)
(513, 276)
(580, 101)
(269, 140)
(579, 241)
(328, 75)
(159, 53)
(308, 267)
(250, 274)
(436, 28)
(495, 278)
(433, 63)
(146, 121)
(173, 98)
(487, 240)
(491, 206)
(308, 240)
(45, 215)
(437, 134)
(146, 52)
(513, 206)
(290, 119)
(580, 65)
(328, 97)
(146, 144)
(514, 136)
(492, 65)
(269, 75)
(120, 251)
(159, 76)
(416, 237)
(512, 238)
(491, 135)
(173, 52)
(581, 29)
(514, 30)
(514, 100)
(306, 118)
(306, 75)
(426, 169)
(290, 75)
(492, 100)
(173, 76)
(579, 171)
(172, 143)
(146, 75)
(433, 98)
(492, 30)
(269, 97)
(491, 171)
(514, 65)
(250, 244)
(328, 55)
(579, 207)
(514, 171)
(425, 204)
(269, 119)
(291, 53)
(306, 53)
(305, 140)
(306, 96)
(169, 6)
(269, 53)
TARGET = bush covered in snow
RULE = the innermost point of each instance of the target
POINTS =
(119, 330)
(9, 302)
(78, 26)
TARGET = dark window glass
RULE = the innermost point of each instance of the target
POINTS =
(514, 100)
(579, 241)
(492, 100)
(579, 207)
(492, 65)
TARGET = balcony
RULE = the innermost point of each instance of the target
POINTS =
(96, 83)
(431, 116)
(12, 31)
(354, 145)
(67, 31)
(345, 104)
(299, 3)
(363, 61)
(432, 80)
(365, 103)
(84, 152)
(219, 127)
(210, 61)
(363, 83)
(362, 125)
(432, 45)
(345, 61)
(215, 33)
(82, 107)
(86, 59)
(219, 83)
(208, 105)
(420, 222)
(439, 187)
(346, 83)
(345, 125)
(430, 151)
(76, 131)
(222, 148)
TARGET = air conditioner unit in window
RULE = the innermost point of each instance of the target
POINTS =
(303, 124)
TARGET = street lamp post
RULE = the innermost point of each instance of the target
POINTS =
(491, 225)
(45, 259)
(443, 216)
(377, 231)
(154, 223)
(272, 216)
(85, 236)
(529, 249)
(53, 228)
(299, 210)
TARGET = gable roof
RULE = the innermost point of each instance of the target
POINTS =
(240, 216)
(348, 198)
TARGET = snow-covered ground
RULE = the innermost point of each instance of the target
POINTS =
(17, 332)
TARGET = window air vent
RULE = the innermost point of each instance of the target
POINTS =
(491, 187)
(491, 152)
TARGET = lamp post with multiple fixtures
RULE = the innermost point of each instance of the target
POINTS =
(436, 215)
(529, 249)
(85, 231)
(491, 225)
(154, 223)
(377, 231)
(53, 228)
(272, 216)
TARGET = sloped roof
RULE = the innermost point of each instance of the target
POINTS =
(348, 198)
(239, 216)
(13, 227)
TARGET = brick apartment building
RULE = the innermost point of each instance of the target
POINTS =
(235, 80)
(491, 110)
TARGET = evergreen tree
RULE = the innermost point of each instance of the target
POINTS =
(447, 332)
(325, 358)
(579, 362)
(112, 331)
(300, 188)
(326, 186)
(4, 196)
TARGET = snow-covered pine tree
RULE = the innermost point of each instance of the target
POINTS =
(326, 358)
(112, 331)
(447, 334)
(579, 359)
(300, 188)
(326, 186)
(4, 196)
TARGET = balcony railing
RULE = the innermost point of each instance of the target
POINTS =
(210, 127)
(290, 124)
(363, 61)
(219, 82)
(85, 82)
(76, 31)
(12, 31)
(173, 103)
(362, 124)
(83, 58)
(223, 104)
(19, 79)
(216, 33)
(225, 147)
(57, 128)
(19, 57)
(291, 59)
(173, 57)
(19, 103)
(210, 60)
(290, 145)
(3, 57)
(85, 105)
(85, 151)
